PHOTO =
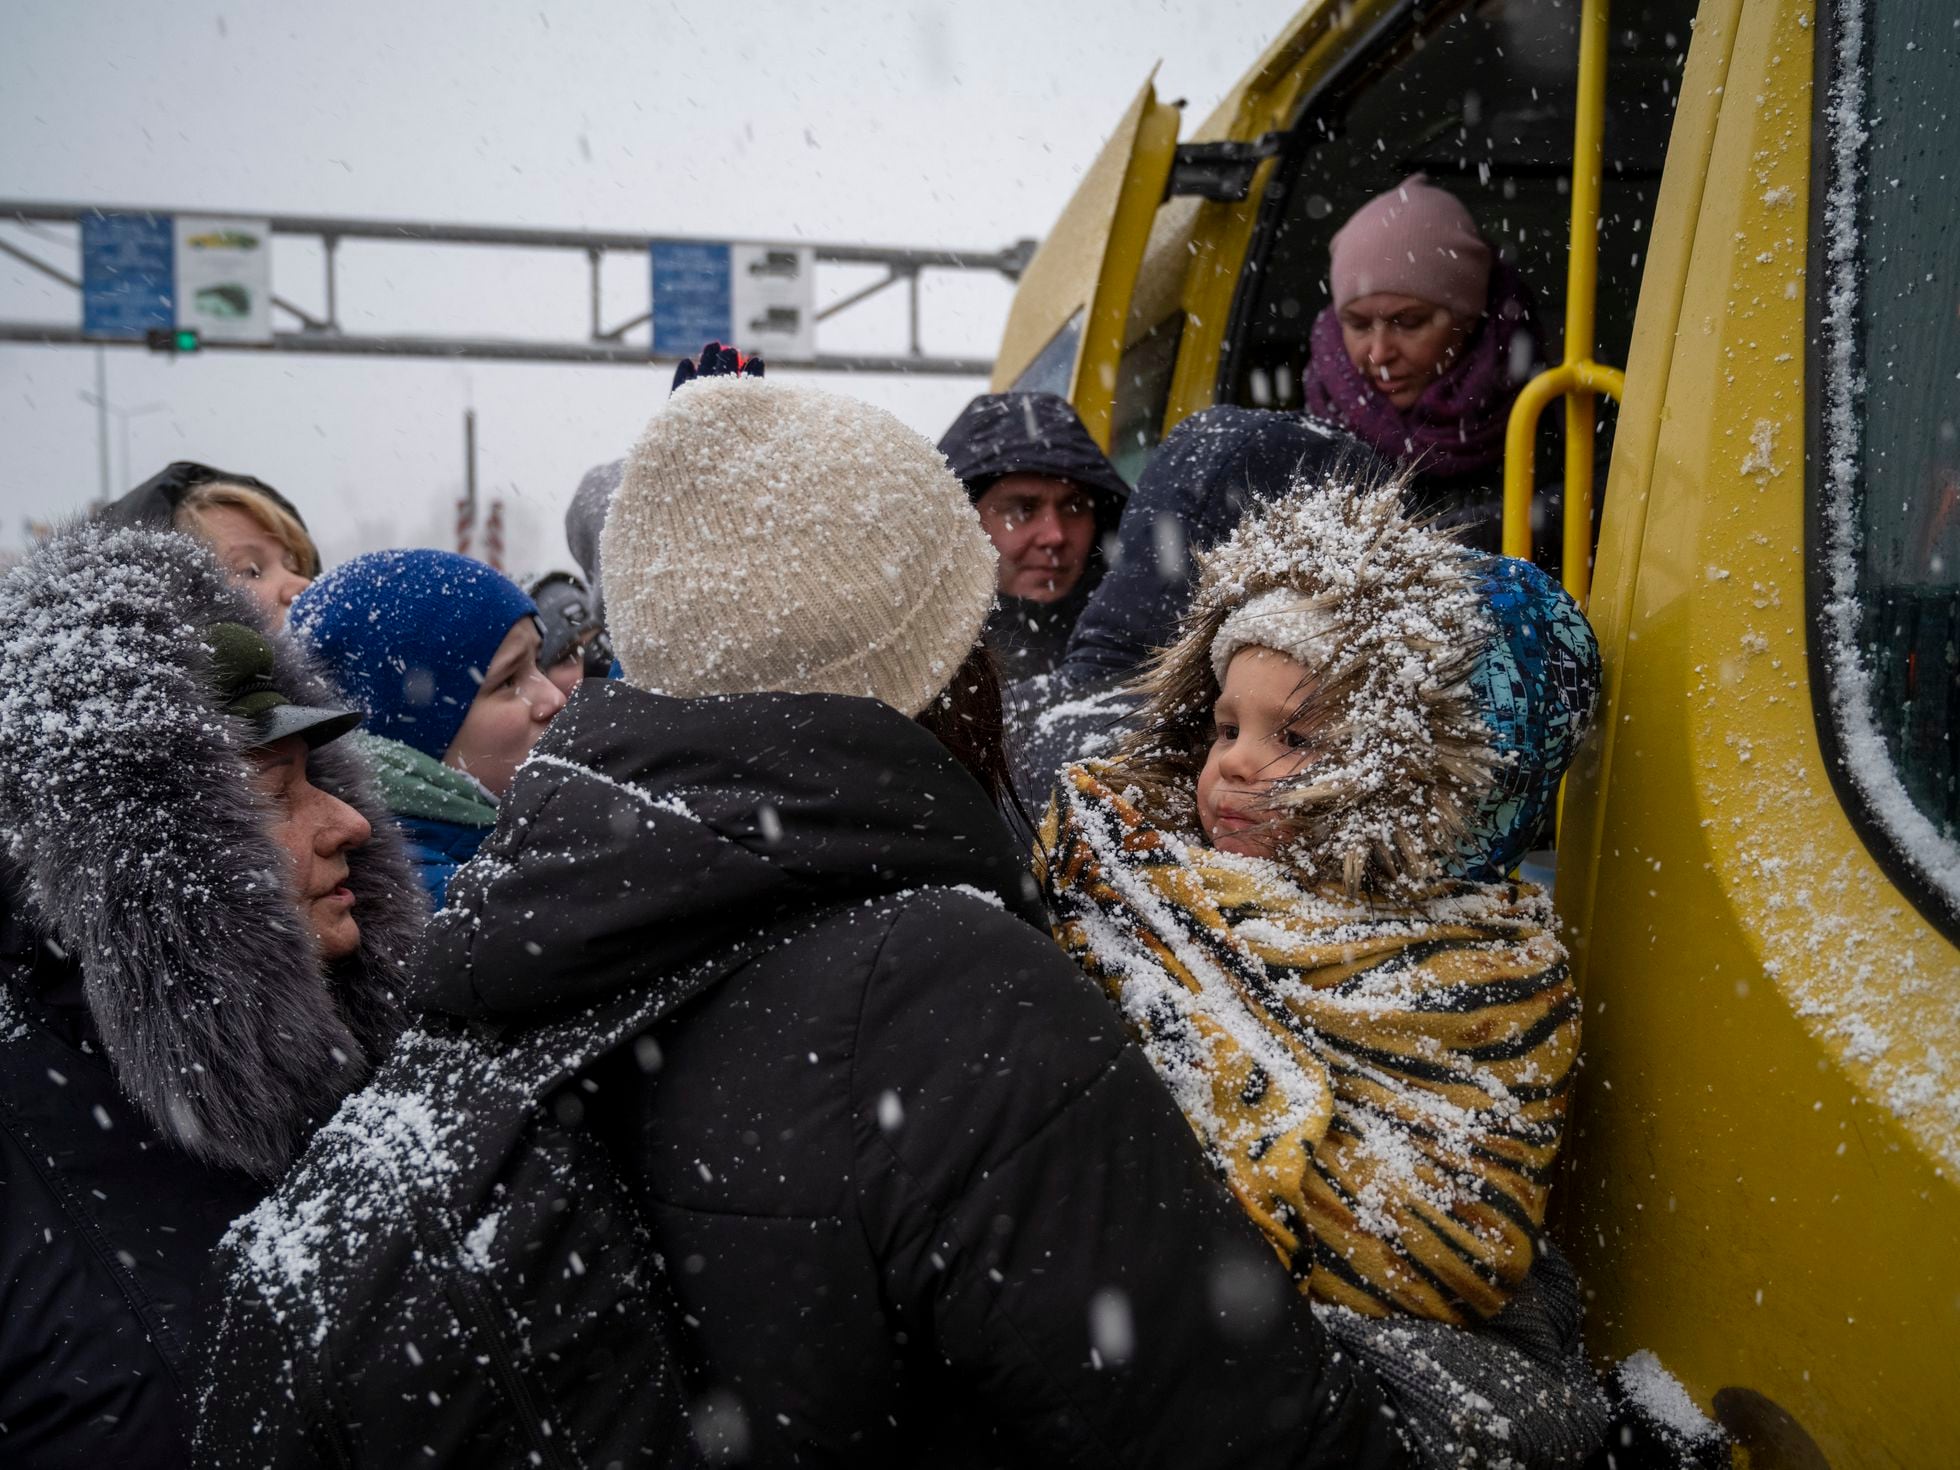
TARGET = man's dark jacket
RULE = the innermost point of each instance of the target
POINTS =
(1000, 434)
(921, 1201)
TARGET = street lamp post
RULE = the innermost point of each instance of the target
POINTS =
(103, 407)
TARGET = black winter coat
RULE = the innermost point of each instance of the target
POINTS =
(105, 1255)
(921, 1201)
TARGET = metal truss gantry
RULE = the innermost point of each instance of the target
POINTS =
(319, 331)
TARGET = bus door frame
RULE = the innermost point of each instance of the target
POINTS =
(1578, 379)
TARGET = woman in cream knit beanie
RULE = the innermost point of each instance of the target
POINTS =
(773, 537)
(875, 1088)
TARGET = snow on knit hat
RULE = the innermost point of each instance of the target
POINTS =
(1415, 240)
(408, 635)
(768, 536)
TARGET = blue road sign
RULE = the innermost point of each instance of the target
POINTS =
(690, 297)
(128, 274)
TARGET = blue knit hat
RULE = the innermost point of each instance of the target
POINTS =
(409, 635)
(1537, 684)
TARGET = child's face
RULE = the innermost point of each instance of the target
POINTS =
(1254, 743)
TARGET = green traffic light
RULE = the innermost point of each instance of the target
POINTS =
(187, 340)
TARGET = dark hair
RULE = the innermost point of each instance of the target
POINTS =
(966, 718)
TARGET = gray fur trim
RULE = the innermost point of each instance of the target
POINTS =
(126, 801)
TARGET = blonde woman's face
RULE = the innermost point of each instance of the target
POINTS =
(252, 557)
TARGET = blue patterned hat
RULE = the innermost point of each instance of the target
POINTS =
(1538, 685)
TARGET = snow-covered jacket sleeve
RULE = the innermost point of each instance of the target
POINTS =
(1060, 1241)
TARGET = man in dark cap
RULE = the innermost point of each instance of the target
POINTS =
(1047, 496)
(202, 924)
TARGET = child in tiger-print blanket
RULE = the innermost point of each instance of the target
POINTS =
(1291, 879)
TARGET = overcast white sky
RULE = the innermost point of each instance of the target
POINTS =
(932, 124)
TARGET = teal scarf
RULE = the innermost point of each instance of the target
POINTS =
(417, 785)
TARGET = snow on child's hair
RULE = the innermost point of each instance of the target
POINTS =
(1396, 627)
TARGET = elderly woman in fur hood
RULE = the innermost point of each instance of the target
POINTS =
(203, 917)
(1292, 880)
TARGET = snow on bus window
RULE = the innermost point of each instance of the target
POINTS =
(1891, 455)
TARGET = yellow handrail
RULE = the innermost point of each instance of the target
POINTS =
(1578, 378)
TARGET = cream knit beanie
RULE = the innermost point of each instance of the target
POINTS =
(774, 537)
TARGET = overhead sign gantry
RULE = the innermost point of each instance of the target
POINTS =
(184, 280)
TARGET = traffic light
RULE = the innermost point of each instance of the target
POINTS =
(174, 339)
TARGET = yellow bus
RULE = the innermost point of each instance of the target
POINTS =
(1752, 208)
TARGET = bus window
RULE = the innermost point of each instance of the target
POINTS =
(1886, 494)
(1053, 368)
(1483, 105)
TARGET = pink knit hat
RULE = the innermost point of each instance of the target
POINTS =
(1415, 240)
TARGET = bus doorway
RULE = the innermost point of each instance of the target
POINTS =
(1482, 104)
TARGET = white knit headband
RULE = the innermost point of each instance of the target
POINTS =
(1278, 619)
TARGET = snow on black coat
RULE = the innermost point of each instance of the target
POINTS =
(921, 1201)
(170, 1032)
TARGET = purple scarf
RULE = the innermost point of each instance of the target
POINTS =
(1457, 426)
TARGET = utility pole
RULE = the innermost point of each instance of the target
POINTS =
(102, 420)
(466, 507)
(103, 408)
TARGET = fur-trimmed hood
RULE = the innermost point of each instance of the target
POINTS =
(126, 801)
(1398, 627)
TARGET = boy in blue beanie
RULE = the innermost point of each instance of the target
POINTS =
(442, 653)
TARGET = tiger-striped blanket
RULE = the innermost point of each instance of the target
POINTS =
(1382, 1086)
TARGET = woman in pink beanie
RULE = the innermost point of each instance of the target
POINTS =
(1425, 346)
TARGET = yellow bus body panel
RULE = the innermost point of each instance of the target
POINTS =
(1761, 1178)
